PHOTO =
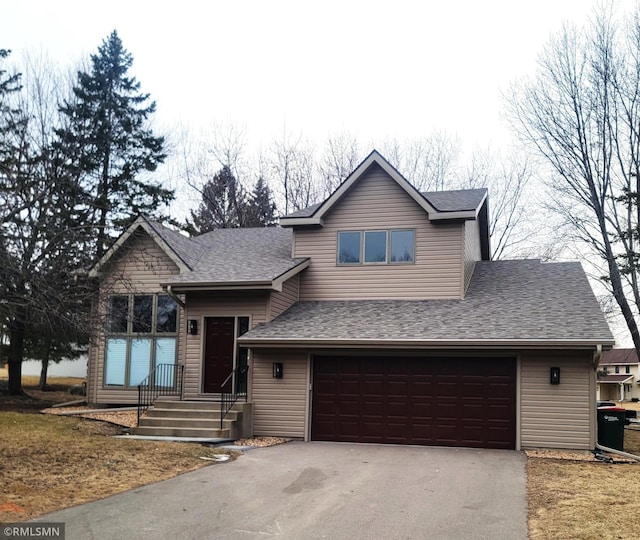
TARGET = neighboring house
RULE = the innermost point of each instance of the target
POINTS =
(618, 375)
(375, 316)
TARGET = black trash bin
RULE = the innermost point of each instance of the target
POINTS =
(611, 422)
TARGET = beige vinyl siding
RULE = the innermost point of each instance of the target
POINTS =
(139, 268)
(281, 301)
(279, 405)
(377, 203)
(92, 368)
(472, 252)
(557, 416)
(221, 304)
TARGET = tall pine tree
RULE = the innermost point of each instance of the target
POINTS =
(261, 208)
(222, 206)
(109, 144)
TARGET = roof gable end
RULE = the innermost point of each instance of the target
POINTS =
(315, 215)
(162, 240)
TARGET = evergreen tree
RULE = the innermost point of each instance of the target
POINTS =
(222, 204)
(109, 144)
(261, 210)
(11, 120)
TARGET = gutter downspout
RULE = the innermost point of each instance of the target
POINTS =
(619, 452)
(175, 297)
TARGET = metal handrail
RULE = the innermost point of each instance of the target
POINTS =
(228, 399)
(164, 380)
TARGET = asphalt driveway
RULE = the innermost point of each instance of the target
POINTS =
(322, 490)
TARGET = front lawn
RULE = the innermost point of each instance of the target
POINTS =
(583, 500)
(51, 462)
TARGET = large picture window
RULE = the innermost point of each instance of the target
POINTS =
(141, 334)
(394, 246)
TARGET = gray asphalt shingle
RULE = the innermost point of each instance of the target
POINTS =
(188, 249)
(455, 201)
(507, 300)
(444, 201)
(235, 255)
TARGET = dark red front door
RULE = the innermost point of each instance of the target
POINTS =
(218, 353)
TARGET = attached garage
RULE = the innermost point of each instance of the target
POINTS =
(473, 372)
(413, 400)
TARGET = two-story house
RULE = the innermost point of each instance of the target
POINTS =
(618, 375)
(375, 316)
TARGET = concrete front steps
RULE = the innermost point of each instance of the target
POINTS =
(195, 419)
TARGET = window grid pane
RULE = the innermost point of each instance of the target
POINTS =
(165, 354)
(166, 315)
(348, 247)
(402, 246)
(142, 313)
(375, 246)
(118, 314)
(140, 362)
(115, 361)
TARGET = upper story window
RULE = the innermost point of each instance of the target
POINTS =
(627, 369)
(617, 369)
(376, 246)
(349, 247)
(142, 333)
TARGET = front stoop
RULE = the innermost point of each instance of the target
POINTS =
(170, 418)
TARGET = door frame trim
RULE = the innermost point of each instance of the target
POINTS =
(203, 346)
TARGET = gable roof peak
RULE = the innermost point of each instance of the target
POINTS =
(314, 215)
(174, 244)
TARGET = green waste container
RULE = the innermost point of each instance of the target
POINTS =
(611, 422)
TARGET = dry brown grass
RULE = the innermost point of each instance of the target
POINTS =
(582, 500)
(58, 392)
(51, 462)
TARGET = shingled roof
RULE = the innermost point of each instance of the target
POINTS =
(619, 357)
(459, 200)
(508, 303)
(456, 200)
(240, 257)
(224, 258)
(440, 206)
(615, 378)
(186, 248)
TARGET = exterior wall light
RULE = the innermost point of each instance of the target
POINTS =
(277, 370)
(554, 375)
(192, 327)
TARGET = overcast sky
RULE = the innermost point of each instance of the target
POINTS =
(398, 69)
(375, 69)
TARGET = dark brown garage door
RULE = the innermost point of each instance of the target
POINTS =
(408, 400)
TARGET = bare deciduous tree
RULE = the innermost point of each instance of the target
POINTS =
(292, 167)
(507, 180)
(44, 236)
(581, 113)
(430, 163)
(340, 156)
